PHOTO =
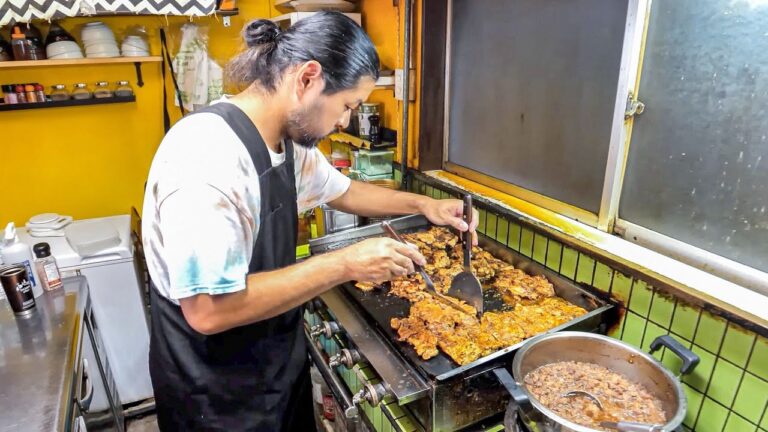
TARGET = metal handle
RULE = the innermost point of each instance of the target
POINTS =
(85, 402)
(626, 426)
(334, 382)
(467, 215)
(689, 358)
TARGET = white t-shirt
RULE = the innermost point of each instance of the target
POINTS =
(202, 202)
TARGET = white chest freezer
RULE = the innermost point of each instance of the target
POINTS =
(118, 304)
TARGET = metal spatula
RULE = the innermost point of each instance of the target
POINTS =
(465, 285)
(427, 280)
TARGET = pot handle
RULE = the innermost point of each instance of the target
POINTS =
(689, 358)
(519, 399)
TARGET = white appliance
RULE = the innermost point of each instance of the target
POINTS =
(115, 290)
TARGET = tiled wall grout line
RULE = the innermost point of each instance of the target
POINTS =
(627, 311)
(647, 318)
(712, 373)
(741, 380)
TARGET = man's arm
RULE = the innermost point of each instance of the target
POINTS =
(271, 293)
(368, 200)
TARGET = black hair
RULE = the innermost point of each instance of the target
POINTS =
(342, 48)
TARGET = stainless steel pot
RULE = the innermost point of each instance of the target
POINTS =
(602, 350)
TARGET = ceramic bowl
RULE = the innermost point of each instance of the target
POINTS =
(62, 47)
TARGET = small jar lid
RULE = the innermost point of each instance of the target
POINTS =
(102, 84)
(122, 83)
(59, 87)
(42, 250)
(29, 87)
(81, 85)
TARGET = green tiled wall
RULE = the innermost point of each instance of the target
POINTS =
(728, 391)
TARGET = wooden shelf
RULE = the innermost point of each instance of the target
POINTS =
(67, 103)
(386, 82)
(292, 17)
(78, 62)
(350, 139)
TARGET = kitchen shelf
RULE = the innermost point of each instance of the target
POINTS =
(385, 82)
(350, 139)
(295, 16)
(78, 62)
(67, 103)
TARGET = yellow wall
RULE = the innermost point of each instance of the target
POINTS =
(385, 23)
(92, 161)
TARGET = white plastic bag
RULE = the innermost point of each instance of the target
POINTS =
(200, 78)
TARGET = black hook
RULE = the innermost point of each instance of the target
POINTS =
(139, 79)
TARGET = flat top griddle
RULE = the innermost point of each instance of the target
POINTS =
(380, 307)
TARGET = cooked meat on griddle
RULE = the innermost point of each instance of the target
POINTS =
(366, 286)
(549, 313)
(516, 286)
(431, 324)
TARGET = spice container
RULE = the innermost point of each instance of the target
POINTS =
(123, 89)
(102, 90)
(59, 93)
(374, 133)
(40, 93)
(81, 91)
(46, 267)
(21, 96)
(366, 111)
(9, 95)
(21, 46)
(31, 95)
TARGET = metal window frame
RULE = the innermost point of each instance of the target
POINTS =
(607, 219)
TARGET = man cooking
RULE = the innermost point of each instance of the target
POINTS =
(220, 226)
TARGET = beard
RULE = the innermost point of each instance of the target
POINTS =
(301, 130)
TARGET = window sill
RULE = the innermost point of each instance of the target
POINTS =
(692, 283)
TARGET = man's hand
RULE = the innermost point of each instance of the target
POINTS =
(379, 260)
(450, 212)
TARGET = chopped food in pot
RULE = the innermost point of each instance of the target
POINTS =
(622, 399)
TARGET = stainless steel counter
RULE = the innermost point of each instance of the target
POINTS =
(37, 358)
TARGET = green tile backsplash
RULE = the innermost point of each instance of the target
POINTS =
(728, 391)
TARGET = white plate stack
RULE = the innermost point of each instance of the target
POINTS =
(48, 225)
(99, 41)
(135, 46)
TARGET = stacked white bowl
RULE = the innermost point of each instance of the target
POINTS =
(135, 46)
(63, 50)
(99, 41)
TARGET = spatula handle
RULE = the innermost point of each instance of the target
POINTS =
(467, 236)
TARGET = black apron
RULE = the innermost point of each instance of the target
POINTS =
(250, 378)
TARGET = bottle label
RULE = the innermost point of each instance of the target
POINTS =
(52, 274)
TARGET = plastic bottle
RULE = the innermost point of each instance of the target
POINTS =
(16, 252)
(47, 269)
(20, 45)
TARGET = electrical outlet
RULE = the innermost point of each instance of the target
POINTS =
(399, 84)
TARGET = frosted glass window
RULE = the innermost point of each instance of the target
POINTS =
(698, 160)
(532, 90)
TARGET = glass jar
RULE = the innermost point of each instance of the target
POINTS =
(81, 91)
(102, 90)
(59, 93)
(123, 89)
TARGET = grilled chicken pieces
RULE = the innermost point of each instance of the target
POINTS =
(532, 307)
